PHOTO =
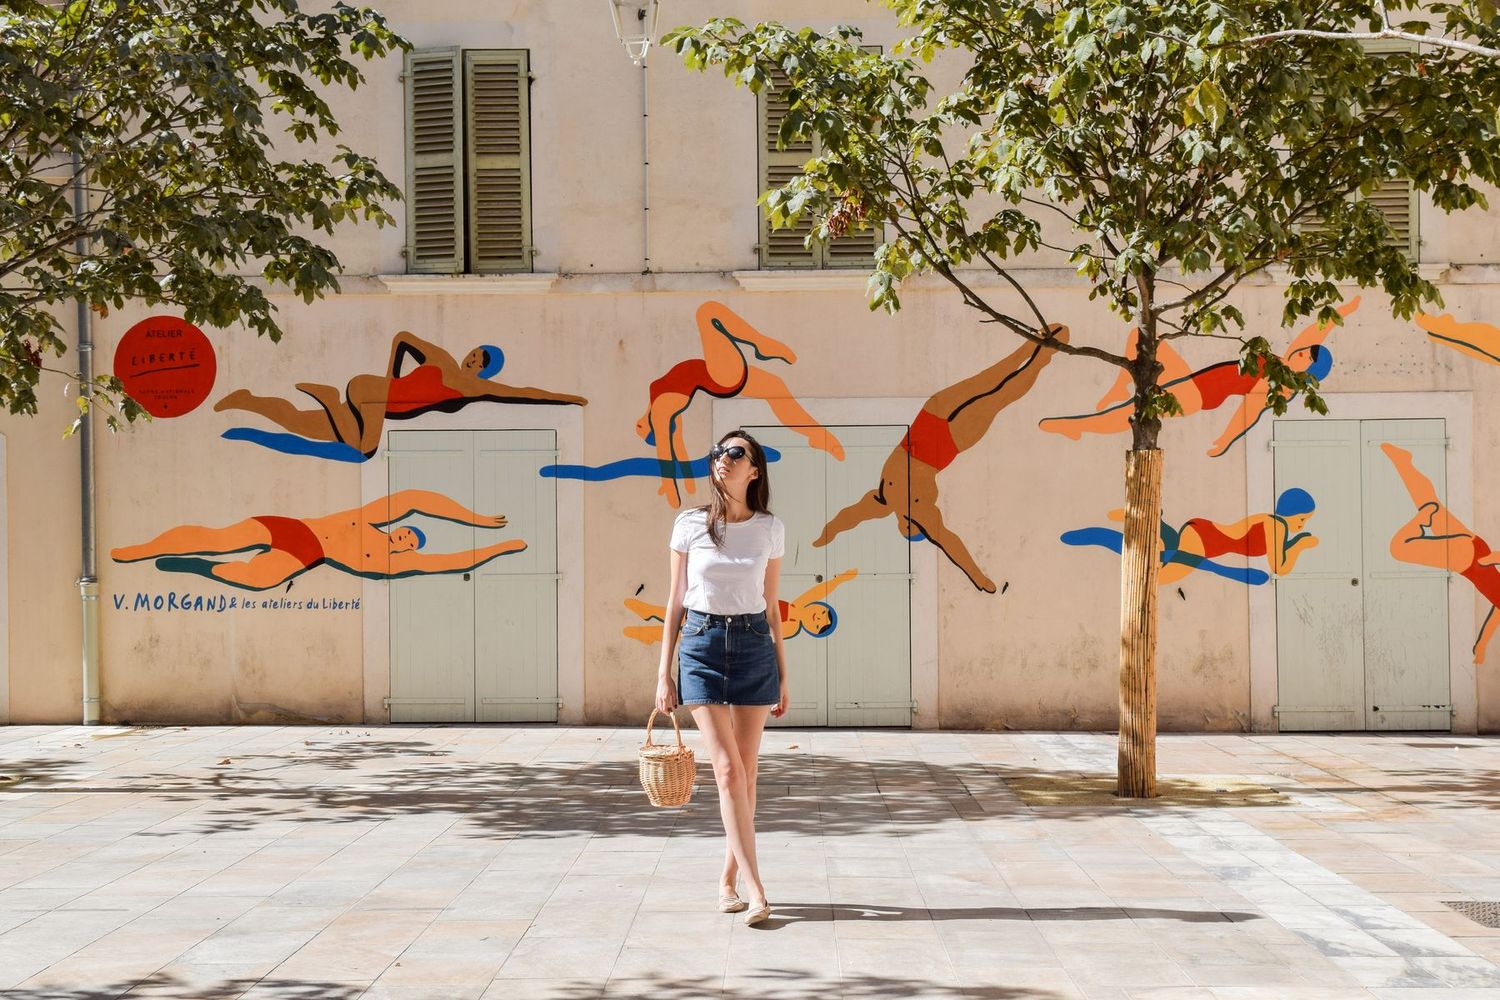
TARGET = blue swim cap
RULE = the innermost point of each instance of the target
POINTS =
(1322, 362)
(494, 361)
(421, 536)
(833, 620)
(1293, 502)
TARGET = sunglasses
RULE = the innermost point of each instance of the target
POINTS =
(734, 451)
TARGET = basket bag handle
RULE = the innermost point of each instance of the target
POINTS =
(652, 720)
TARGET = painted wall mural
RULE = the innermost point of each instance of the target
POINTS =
(1477, 340)
(1204, 389)
(808, 614)
(1434, 537)
(1199, 545)
(722, 371)
(347, 427)
(951, 422)
(360, 541)
(167, 365)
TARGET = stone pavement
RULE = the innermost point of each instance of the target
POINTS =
(517, 862)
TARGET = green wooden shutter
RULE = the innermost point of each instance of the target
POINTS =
(499, 151)
(1396, 197)
(778, 166)
(434, 174)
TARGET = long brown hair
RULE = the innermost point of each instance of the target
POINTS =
(757, 494)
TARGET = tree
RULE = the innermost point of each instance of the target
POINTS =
(1185, 147)
(165, 109)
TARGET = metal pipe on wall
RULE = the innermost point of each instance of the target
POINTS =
(645, 163)
(88, 580)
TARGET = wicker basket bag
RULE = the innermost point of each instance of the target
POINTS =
(668, 772)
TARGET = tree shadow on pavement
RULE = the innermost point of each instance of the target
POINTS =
(364, 781)
(770, 985)
(162, 985)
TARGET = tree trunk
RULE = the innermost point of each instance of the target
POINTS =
(1139, 568)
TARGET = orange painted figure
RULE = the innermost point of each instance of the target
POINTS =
(950, 423)
(1205, 389)
(1435, 538)
(356, 541)
(1477, 340)
(723, 372)
(435, 381)
(810, 613)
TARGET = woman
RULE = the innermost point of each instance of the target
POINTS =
(437, 382)
(726, 565)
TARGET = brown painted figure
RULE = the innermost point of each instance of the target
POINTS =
(437, 382)
(950, 423)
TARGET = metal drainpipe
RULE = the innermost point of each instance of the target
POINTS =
(88, 581)
(645, 161)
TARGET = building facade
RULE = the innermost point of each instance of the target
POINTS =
(445, 496)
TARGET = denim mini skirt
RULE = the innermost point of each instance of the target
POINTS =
(727, 660)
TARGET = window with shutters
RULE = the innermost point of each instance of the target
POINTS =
(468, 161)
(784, 248)
(1396, 197)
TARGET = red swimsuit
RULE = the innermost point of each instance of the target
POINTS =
(419, 389)
(1216, 543)
(930, 441)
(691, 376)
(293, 537)
(1486, 579)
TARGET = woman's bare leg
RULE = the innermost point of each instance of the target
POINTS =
(749, 726)
(313, 424)
(716, 340)
(267, 570)
(194, 540)
(1418, 486)
(763, 385)
(716, 723)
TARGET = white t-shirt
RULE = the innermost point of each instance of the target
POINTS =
(730, 580)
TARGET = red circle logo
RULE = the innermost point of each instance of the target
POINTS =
(167, 365)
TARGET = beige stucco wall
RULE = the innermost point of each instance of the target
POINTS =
(1042, 654)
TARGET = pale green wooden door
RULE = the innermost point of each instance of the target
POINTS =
(515, 624)
(1406, 606)
(478, 646)
(859, 674)
(432, 615)
(1362, 640)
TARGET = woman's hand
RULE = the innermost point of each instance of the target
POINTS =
(666, 694)
(780, 708)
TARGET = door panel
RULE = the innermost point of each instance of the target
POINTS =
(1320, 606)
(869, 656)
(797, 497)
(860, 673)
(1406, 606)
(515, 625)
(432, 616)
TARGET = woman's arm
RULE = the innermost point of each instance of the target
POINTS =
(772, 588)
(666, 687)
